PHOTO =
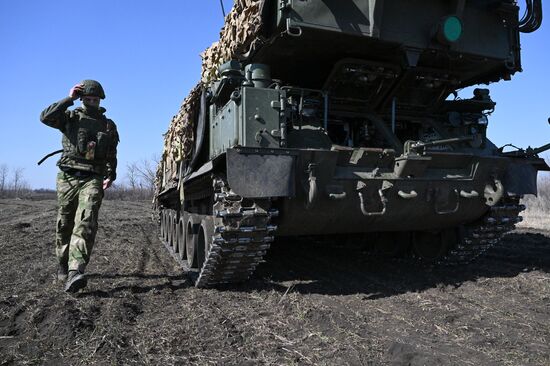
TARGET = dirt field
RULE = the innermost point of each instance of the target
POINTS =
(309, 304)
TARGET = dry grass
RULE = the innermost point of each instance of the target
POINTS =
(537, 214)
(308, 304)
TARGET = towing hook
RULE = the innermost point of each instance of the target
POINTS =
(493, 195)
(361, 186)
(313, 190)
(383, 200)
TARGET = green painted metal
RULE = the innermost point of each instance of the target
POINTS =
(251, 120)
(224, 128)
(341, 117)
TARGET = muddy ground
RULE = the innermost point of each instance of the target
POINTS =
(309, 304)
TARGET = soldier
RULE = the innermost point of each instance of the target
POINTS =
(87, 168)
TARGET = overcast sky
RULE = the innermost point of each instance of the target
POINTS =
(146, 55)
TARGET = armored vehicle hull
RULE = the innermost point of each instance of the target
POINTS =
(335, 119)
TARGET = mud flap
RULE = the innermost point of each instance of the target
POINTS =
(521, 179)
(253, 175)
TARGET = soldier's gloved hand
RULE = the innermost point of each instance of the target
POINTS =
(76, 91)
(107, 183)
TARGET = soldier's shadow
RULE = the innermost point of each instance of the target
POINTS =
(112, 285)
(335, 269)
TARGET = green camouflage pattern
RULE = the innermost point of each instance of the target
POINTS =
(89, 139)
(79, 200)
(93, 88)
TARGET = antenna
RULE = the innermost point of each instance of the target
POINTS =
(223, 9)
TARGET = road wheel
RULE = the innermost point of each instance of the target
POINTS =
(162, 224)
(166, 226)
(204, 239)
(169, 228)
(174, 232)
(182, 254)
(191, 231)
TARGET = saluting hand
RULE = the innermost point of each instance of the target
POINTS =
(76, 91)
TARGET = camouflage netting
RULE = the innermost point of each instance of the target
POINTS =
(239, 34)
(178, 140)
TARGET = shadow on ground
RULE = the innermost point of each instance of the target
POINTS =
(337, 269)
(334, 269)
(127, 282)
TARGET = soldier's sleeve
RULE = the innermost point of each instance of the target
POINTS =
(112, 152)
(56, 115)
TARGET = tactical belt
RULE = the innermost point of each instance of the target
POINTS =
(77, 173)
(73, 171)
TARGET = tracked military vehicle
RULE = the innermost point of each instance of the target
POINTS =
(340, 118)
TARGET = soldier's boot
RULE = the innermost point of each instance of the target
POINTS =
(62, 271)
(75, 281)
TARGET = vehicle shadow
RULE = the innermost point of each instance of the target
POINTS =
(337, 269)
(334, 268)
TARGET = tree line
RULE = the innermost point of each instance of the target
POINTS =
(138, 183)
(12, 182)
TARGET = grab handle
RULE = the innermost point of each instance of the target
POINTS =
(291, 30)
(407, 196)
(472, 194)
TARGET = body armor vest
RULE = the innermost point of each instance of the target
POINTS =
(87, 142)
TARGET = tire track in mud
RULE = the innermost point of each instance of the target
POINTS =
(308, 304)
(24, 212)
(149, 272)
(96, 323)
(337, 293)
(131, 272)
(328, 274)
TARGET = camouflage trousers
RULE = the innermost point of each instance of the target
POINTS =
(79, 200)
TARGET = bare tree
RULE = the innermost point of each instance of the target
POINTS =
(139, 183)
(17, 186)
(4, 171)
(17, 180)
(146, 171)
(132, 176)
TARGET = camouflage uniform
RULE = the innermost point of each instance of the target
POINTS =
(89, 155)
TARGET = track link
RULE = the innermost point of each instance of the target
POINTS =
(242, 235)
(488, 232)
(243, 232)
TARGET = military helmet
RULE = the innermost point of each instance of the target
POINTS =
(92, 88)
